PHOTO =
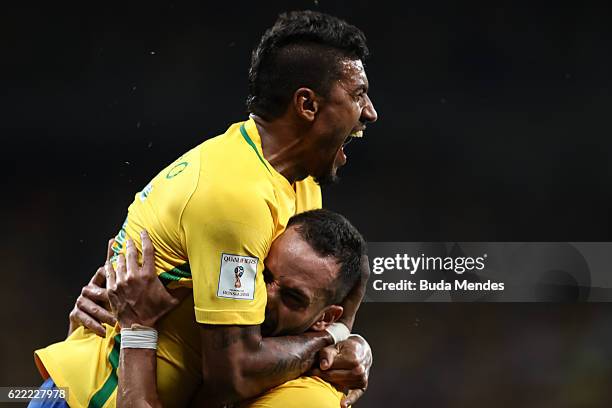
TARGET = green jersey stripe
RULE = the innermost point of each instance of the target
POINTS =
(99, 398)
(252, 144)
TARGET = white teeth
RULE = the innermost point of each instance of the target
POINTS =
(359, 133)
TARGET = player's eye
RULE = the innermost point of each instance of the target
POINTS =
(292, 300)
(267, 275)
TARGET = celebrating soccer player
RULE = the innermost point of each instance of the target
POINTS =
(218, 209)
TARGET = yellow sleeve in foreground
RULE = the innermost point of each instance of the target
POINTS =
(303, 392)
(228, 233)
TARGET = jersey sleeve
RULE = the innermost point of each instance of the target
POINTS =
(227, 234)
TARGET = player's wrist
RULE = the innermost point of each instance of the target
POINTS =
(138, 337)
(145, 318)
(129, 322)
(338, 332)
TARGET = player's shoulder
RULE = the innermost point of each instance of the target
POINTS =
(228, 143)
(232, 183)
(244, 199)
(223, 160)
(231, 166)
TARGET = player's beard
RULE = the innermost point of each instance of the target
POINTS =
(328, 179)
(331, 174)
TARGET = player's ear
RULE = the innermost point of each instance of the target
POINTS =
(329, 315)
(306, 103)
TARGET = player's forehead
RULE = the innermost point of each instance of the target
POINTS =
(294, 264)
(353, 74)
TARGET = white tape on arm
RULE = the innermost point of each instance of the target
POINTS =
(338, 331)
(139, 337)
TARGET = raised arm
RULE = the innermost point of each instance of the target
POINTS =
(138, 299)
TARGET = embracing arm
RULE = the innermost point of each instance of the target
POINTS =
(238, 363)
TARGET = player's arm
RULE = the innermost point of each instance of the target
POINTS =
(138, 299)
(238, 363)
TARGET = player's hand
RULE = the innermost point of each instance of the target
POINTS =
(92, 307)
(347, 365)
(136, 294)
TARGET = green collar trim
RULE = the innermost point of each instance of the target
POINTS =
(246, 137)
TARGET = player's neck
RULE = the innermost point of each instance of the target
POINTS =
(282, 147)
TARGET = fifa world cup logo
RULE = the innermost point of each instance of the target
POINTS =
(238, 272)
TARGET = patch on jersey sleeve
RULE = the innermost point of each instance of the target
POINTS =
(237, 277)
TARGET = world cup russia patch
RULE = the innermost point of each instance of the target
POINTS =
(237, 277)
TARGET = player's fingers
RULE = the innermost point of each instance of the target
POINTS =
(111, 280)
(346, 358)
(132, 259)
(327, 356)
(99, 278)
(120, 270)
(109, 249)
(95, 293)
(103, 316)
(95, 311)
(148, 255)
(83, 319)
(351, 398)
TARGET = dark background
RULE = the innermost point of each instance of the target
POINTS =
(493, 125)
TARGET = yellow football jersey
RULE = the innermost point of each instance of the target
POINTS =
(212, 216)
(303, 392)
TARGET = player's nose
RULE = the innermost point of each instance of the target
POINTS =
(369, 113)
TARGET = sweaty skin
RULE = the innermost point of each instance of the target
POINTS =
(309, 138)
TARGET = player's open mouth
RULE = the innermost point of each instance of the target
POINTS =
(341, 156)
(353, 134)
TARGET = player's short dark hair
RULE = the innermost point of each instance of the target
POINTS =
(330, 234)
(301, 49)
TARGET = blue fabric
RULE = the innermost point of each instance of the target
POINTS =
(47, 402)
